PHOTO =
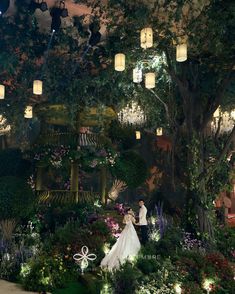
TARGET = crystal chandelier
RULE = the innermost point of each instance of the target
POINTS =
(132, 114)
(224, 120)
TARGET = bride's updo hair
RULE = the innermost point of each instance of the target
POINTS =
(127, 210)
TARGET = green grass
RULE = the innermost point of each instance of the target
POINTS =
(73, 288)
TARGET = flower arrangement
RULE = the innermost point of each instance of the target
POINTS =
(90, 157)
(104, 157)
(113, 226)
(190, 243)
(54, 156)
(120, 208)
(31, 182)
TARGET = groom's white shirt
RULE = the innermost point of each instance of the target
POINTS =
(142, 216)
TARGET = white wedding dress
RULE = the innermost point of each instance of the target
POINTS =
(126, 247)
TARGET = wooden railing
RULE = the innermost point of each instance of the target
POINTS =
(66, 196)
(66, 138)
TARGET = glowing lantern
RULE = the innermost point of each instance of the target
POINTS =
(181, 52)
(233, 114)
(137, 75)
(4, 127)
(216, 114)
(28, 113)
(150, 80)
(37, 87)
(2, 91)
(159, 131)
(106, 248)
(146, 38)
(178, 289)
(119, 62)
(138, 135)
(208, 284)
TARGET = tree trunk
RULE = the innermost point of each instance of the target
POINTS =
(103, 182)
(74, 178)
(39, 184)
(198, 210)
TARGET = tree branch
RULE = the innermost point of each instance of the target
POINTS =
(225, 150)
(172, 73)
(211, 108)
(166, 108)
(218, 128)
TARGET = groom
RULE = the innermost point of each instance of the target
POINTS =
(143, 222)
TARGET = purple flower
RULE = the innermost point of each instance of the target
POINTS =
(37, 156)
(93, 163)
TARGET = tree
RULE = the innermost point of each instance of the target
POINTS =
(188, 93)
(183, 101)
(16, 201)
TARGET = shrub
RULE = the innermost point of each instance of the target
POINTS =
(45, 273)
(16, 201)
(131, 169)
(192, 288)
(12, 164)
(126, 279)
(161, 281)
(16, 198)
(225, 238)
(170, 243)
(146, 261)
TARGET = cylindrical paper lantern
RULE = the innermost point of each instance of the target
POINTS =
(138, 135)
(37, 87)
(2, 91)
(119, 62)
(181, 52)
(146, 38)
(150, 80)
(159, 131)
(28, 113)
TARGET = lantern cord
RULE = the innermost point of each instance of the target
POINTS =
(47, 52)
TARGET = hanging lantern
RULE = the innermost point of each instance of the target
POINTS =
(28, 113)
(181, 52)
(159, 131)
(119, 62)
(137, 75)
(216, 114)
(37, 87)
(146, 38)
(232, 114)
(150, 80)
(177, 288)
(2, 91)
(138, 135)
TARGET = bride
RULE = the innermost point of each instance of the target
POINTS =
(127, 245)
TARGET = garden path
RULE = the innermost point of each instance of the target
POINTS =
(11, 288)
